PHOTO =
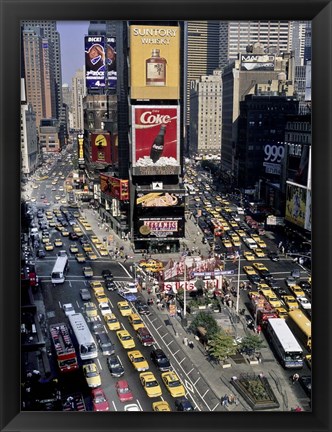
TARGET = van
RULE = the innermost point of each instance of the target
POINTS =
(105, 344)
(240, 210)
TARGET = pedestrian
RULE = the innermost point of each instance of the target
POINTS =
(295, 378)
(258, 329)
(185, 341)
(224, 400)
(231, 398)
(191, 344)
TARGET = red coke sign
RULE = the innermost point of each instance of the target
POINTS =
(155, 140)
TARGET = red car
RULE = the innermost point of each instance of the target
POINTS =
(145, 337)
(123, 391)
(99, 400)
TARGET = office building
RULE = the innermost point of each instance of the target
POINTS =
(78, 93)
(205, 115)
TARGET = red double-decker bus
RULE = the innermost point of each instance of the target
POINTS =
(64, 348)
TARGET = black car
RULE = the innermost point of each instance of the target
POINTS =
(105, 344)
(304, 285)
(142, 307)
(160, 359)
(305, 381)
(84, 239)
(183, 404)
(42, 196)
(115, 366)
(266, 275)
(73, 236)
(110, 285)
(96, 326)
(254, 278)
(106, 273)
(273, 256)
(41, 253)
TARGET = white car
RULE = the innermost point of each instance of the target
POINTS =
(105, 308)
(304, 302)
(68, 309)
(132, 407)
(130, 287)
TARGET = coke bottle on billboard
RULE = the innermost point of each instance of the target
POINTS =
(158, 145)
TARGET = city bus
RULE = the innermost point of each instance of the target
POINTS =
(59, 270)
(87, 348)
(301, 326)
(64, 348)
(286, 347)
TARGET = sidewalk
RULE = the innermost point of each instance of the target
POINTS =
(216, 379)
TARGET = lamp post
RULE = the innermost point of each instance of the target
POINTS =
(238, 282)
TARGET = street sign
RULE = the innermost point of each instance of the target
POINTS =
(214, 273)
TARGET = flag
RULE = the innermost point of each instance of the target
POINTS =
(236, 256)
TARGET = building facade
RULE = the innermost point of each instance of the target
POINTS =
(206, 115)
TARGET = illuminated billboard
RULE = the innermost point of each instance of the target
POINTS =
(155, 140)
(154, 62)
(162, 227)
(114, 187)
(95, 65)
(160, 199)
(101, 147)
(298, 163)
(257, 62)
(80, 148)
(296, 200)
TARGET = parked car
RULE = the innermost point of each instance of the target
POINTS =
(183, 404)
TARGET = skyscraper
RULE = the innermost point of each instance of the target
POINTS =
(49, 31)
(201, 55)
(235, 36)
(78, 92)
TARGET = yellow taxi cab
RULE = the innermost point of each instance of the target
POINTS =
(138, 361)
(45, 240)
(76, 229)
(282, 312)
(102, 298)
(249, 270)
(86, 247)
(227, 243)
(112, 322)
(91, 256)
(150, 384)
(259, 266)
(261, 243)
(241, 233)
(73, 248)
(124, 308)
(236, 242)
(259, 252)
(78, 232)
(58, 242)
(99, 244)
(90, 309)
(125, 339)
(135, 321)
(49, 246)
(273, 299)
(255, 237)
(290, 302)
(96, 285)
(173, 384)
(94, 239)
(103, 251)
(297, 291)
(88, 227)
(65, 233)
(92, 375)
(161, 406)
(87, 271)
(80, 258)
(249, 256)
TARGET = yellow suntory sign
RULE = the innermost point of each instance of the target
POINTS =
(154, 62)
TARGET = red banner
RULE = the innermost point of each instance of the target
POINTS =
(115, 187)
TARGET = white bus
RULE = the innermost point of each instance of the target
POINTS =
(59, 270)
(285, 345)
(87, 348)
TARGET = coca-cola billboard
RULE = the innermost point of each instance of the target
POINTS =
(155, 140)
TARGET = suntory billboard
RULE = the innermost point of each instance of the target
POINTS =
(155, 140)
(154, 62)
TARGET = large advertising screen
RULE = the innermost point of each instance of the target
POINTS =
(307, 224)
(160, 199)
(154, 62)
(257, 62)
(273, 158)
(148, 228)
(114, 187)
(155, 140)
(101, 148)
(298, 163)
(296, 199)
(100, 55)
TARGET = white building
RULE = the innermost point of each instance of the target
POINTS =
(206, 114)
(78, 93)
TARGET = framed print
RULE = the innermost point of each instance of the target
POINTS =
(141, 64)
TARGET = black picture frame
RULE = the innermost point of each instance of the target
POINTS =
(12, 12)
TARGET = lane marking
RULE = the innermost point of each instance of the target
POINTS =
(182, 360)
(138, 403)
(169, 343)
(114, 406)
(100, 366)
(124, 268)
(206, 392)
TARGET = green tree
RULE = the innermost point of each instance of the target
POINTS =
(221, 346)
(205, 320)
(251, 343)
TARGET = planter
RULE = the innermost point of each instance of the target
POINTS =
(253, 361)
(202, 307)
(225, 365)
